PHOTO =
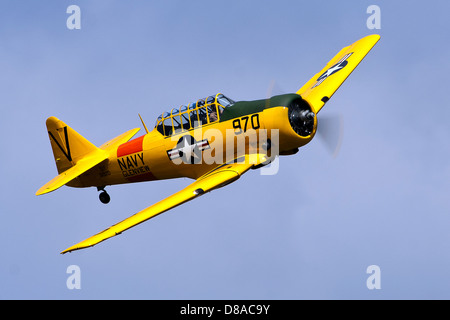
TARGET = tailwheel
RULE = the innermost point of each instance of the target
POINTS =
(104, 196)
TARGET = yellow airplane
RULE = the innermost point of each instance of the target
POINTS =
(213, 141)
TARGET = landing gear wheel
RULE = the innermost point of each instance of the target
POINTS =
(104, 197)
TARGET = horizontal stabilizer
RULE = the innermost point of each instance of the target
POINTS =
(82, 166)
(117, 141)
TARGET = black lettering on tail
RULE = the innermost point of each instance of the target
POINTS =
(67, 154)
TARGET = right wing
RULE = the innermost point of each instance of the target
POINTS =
(217, 178)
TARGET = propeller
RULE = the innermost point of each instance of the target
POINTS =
(330, 127)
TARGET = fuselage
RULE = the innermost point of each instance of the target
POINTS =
(183, 147)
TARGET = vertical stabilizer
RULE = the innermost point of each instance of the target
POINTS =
(68, 145)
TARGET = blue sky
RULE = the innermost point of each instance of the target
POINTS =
(309, 232)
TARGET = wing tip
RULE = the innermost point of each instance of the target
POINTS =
(375, 36)
(75, 248)
(70, 249)
(90, 242)
(373, 39)
(42, 191)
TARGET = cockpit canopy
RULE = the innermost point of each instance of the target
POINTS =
(196, 114)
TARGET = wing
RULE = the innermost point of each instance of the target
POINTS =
(319, 89)
(217, 178)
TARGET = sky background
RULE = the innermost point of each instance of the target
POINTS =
(308, 232)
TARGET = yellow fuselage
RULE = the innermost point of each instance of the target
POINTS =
(154, 156)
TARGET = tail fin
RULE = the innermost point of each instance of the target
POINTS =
(73, 154)
(68, 145)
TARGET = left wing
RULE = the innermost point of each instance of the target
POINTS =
(319, 89)
(217, 178)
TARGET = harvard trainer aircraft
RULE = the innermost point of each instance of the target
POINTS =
(181, 139)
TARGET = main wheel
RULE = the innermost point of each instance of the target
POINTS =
(104, 197)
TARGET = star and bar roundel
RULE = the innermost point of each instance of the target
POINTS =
(188, 149)
(335, 68)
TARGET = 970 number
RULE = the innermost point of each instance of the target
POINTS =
(243, 123)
